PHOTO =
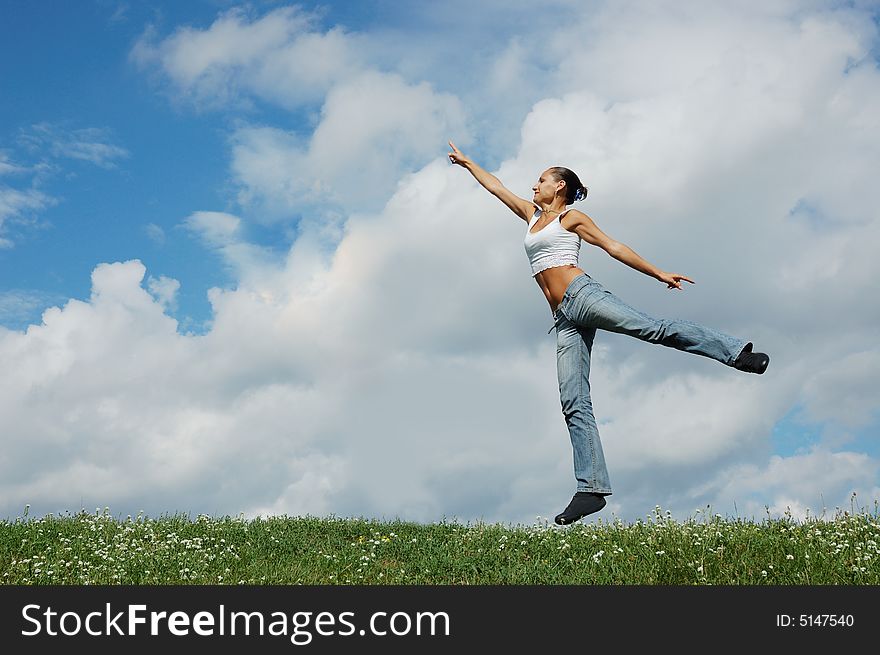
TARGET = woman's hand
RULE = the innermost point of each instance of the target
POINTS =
(673, 280)
(457, 156)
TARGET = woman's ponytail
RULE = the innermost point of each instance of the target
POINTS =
(574, 190)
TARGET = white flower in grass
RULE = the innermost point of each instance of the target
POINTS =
(789, 557)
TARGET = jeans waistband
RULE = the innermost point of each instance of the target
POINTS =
(576, 285)
(571, 291)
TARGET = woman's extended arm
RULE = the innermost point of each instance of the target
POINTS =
(587, 230)
(523, 208)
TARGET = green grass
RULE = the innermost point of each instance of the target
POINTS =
(79, 549)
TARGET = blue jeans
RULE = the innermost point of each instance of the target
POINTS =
(586, 307)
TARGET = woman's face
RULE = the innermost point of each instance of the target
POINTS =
(545, 188)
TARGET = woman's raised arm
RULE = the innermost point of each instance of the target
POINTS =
(523, 208)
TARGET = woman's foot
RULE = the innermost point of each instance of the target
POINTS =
(751, 362)
(583, 503)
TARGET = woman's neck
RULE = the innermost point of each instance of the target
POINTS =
(555, 207)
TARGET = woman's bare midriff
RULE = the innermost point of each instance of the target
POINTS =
(554, 281)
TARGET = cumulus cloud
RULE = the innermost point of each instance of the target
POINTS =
(217, 229)
(21, 305)
(407, 370)
(373, 129)
(856, 387)
(223, 233)
(372, 126)
(164, 289)
(817, 483)
(281, 57)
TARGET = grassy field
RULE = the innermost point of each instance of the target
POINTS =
(84, 548)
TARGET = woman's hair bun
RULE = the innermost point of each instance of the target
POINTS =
(572, 182)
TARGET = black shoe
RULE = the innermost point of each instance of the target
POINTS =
(583, 503)
(751, 362)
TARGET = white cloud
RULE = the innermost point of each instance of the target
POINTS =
(21, 203)
(17, 204)
(18, 305)
(373, 129)
(164, 289)
(813, 484)
(223, 233)
(845, 391)
(265, 160)
(15, 201)
(8, 167)
(216, 228)
(373, 126)
(89, 144)
(279, 57)
(408, 372)
(155, 233)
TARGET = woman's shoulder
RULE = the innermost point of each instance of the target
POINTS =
(572, 216)
(575, 219)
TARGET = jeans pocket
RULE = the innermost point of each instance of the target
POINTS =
(561, 312)
(578, 310)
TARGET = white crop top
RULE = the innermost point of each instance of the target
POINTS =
(552, 245)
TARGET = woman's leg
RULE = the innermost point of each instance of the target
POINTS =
(573, 348)
(586, 307)
(589, 305)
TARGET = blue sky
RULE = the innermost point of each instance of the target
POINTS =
(231, 245)
(78, 83)
(78, 76)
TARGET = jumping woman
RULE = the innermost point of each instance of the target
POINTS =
(580, 306)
